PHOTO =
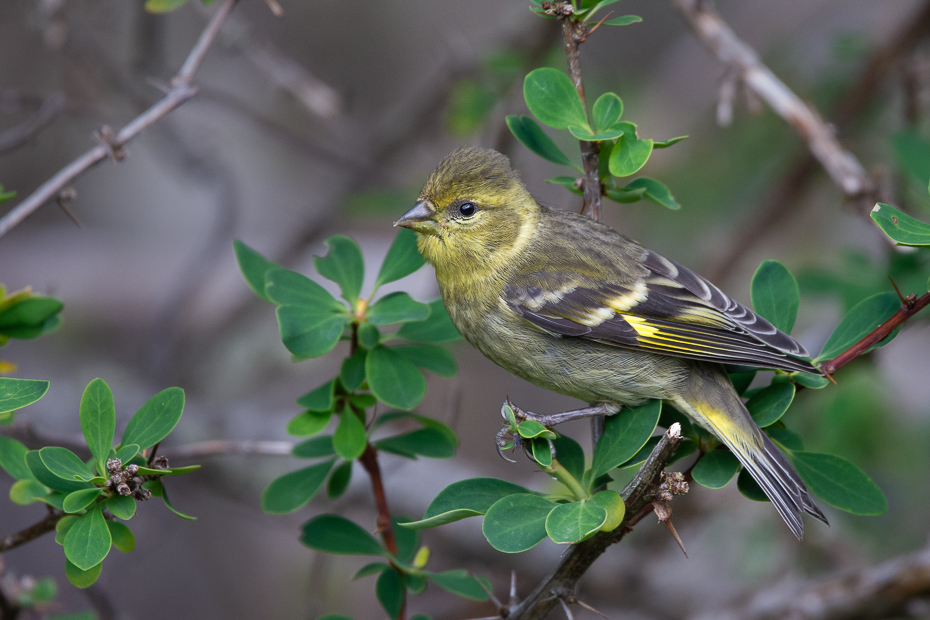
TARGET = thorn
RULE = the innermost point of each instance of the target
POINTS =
(276, 9)
(513, 589)
(490, 594)
(898, 291)
(591, 609)
(598, 24)
(64, 199)
(568, 611)
(671, 528)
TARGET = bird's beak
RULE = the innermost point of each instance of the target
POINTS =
(421, 218)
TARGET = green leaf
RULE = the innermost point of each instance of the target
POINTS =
(655, 191)
(309, 423)
(13, 458)
(338, 535)
(390, 592)
(352, 371)
(77, 501)
(437, 328)
(315, 448)
(540, 451)
(429, 442)
(530, 429)
(83, 578)
(254, 267)
(624, 434)
(61, 528)
(162, 6)
(583, 133)
(29, 317)
(372, 568)
(775, 295)
(901, 227)
(429, 357)
(859, 322)
(87, 543)
(155, 419)
(292, 491)
(460, 583)
(349, 440)
(517, 523)
(122, 506)
(613, 504)
(630, 153)
(174, 471)
(664, 144)
(397, 307)
(339, 480)
(568, 183)
(769, 404)
(402, 258)
(65, 464)
(750, 488)
(407, 540)
(98, 423)
(127, 452)
(157, 488)
(587, 14)
(18, 393)
(343, 265)
(465, 498)
(27, 491)
(552, 98)
(122, 536)
(532, 136)
(570, 455)
(393, 379)
(814, 382)
(742, 380)
(625, 20)
(839, 483)
(606, 111)
(789, 440)
(44, 476)
(320, 399)
(289, 288)
(369, 336)
(715, 469)
(625, 196)
(310, 332)
(570, 523)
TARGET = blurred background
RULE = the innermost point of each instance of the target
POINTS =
(327, 121)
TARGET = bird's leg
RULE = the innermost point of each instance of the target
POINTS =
(551, 419)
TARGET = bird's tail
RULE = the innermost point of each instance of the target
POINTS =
(712, 402)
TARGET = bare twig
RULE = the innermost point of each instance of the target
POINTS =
(46, 525)
(13, 138)
(221, 447)
(181, 91)
(637, 495)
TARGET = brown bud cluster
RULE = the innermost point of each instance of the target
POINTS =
(127, 481)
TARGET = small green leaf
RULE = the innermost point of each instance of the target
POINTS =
(155, 419)
(349, 440)
(397, 307)
(29, 317)
(61, 528)
(742, 380)
(393, 379)
(859, 322)
(158, 490)
(402, 258)
(292, 491)
(344, 265)
(570, 523)
(465, 498)
(338, 535)
(310, 332)
(715, 469)
(625, 196)
(664, 144)
(839, 483)
(309, 423)
(429, 357)
(750, 488)
(429, 442)
(88, 541)
(83, 578)
(127, 452)
(352, 371)
(98, 422)
(583, 133)
(625, 20)
(460, 583)
(611, 502)
(77, 501)
(530, 429)
(624, 434)
(655, 191)
(372, 568)
(517, 523)
(552, 98)
(390, 592)
(775, 295)
(769, 404)
(122, 506)
(630, 153)
(532, 136)
(27, 491)
(901, 227)
(606, 111)
(569, 183)
(13, 458)
(570, 455)
(289, 288)
(253, 267)
(540, 451)
(315, 448)
(321, 398)
(814, 382)
(122, 536)
(18, 393)
(46, 477)
(339, 480)
(788, 440)
(369, 336)
(408, 541)
(437, 328)
(65, 464)
(163, 6)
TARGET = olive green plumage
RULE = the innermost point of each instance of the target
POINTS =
(571, 305)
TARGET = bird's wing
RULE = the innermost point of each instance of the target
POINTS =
(664, 308)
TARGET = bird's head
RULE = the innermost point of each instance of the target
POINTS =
(473, 213)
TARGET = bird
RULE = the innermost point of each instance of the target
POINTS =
(573, 306)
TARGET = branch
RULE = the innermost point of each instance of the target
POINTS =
(844, 169)
(181, 91)
(910, 306)
(11, 541)
(13, 138)
(220, 447)
(881, 591)
(637, 495)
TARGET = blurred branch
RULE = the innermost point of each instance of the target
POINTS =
(13, 138)
(229, 446)
(785, 195)
(111, 145)
(46, 525)
(637, 495)
(883, 591)
(844, 169)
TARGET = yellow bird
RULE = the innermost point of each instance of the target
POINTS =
(575, 307)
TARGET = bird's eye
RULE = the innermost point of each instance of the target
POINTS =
(468, 209)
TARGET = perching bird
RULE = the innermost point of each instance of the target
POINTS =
(573, 306)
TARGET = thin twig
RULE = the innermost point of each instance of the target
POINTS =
(15, 137)
(46, 525)
(181, 91)
(222, 447)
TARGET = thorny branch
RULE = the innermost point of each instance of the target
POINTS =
(111, 144)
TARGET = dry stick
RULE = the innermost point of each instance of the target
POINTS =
(11, 541)
(637, 495)
(181, 91)
(785, 197)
